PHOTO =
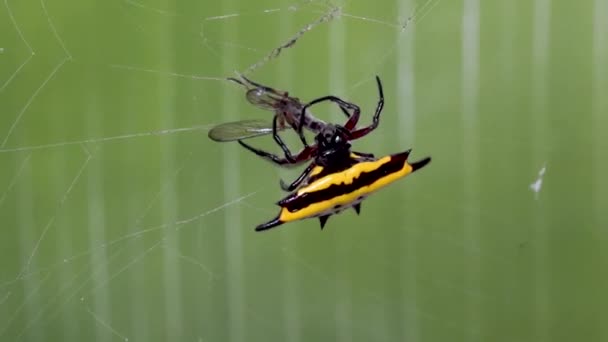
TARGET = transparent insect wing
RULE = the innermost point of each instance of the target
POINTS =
(286, 108)
(263, 99)
(245, 129)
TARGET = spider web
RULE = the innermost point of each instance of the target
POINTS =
(123, 222)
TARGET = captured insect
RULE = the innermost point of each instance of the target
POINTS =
(311, 151)
(288, 112)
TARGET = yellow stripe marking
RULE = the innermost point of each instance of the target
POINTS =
(345, 177)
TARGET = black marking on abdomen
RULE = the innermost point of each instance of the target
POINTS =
(296, 202)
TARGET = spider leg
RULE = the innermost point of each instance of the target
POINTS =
(296, 183)
(303, 118)
(268, 156)
(302, 156)
(363, 156)
(352, 121)
(345, 111)
(305, 154)
(344, 106)
(366, 155)
(376, 120)
(279, 141)
(300, 134)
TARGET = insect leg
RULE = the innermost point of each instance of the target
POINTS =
(235, 80)
(265, 88)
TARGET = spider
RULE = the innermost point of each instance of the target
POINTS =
(348, 131)
(337, 178)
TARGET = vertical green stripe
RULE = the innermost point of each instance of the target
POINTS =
(405, 100)
(291, 299)
(540, 62)
(600, 146)
(167, 93)
(29, 302)
(233, 225)
(100, 302)
(138, 304)
(336, 65)
(470, 133)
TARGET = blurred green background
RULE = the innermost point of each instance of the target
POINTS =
(121, 220)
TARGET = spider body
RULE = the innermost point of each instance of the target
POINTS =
(341, 186)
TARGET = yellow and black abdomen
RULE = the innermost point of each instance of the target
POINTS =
(337, 191)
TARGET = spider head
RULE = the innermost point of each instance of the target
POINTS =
(333, 139)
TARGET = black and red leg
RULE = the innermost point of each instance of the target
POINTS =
(296, 183)
(375, 120)
(344, 106)
(301, 157)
